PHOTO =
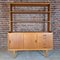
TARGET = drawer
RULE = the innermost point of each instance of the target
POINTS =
(44, 45)
(42, 35)
(45, 40)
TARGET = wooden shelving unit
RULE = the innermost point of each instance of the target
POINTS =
(36, 4)
(30, 40)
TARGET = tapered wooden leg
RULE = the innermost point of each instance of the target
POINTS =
(14, 54)
(46, 53)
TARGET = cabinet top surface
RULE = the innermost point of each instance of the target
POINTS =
(30, 32)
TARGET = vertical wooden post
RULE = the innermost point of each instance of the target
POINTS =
(11, 24)
(14, 54)
(44, 21)
(46, 53)
(49, 24)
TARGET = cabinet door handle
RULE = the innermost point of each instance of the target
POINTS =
(44, 38)
(44, 47)
(45, 35)
(35, 41)
(9, 41)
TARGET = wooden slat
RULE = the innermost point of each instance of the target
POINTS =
(30, 32)
(29, 21)
(29, 49)
(30, 4)
(30, 12)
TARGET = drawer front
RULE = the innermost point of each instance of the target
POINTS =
(45, 40)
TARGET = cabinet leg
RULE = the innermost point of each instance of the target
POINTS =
(46, 53)
(14, 54)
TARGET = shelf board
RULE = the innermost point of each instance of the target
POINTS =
(30, 32)
(30, 12)
(30, 4)
(29, 21)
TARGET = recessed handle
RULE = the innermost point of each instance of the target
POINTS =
(9, 41)
(35, 41)
(44, 47)
(44, 38)
(44, 35)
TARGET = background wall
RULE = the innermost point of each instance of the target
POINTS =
(4, 20)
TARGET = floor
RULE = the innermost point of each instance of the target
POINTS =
(30, 55)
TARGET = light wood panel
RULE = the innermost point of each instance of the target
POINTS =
(30, 41)
(45, 40)
(15, 40)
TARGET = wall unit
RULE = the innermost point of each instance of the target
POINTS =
(30, 40)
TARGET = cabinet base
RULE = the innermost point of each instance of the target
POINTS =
(14, 51)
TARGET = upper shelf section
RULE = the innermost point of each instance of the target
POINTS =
(30, 4)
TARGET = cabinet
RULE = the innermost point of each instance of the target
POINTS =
(30, 40)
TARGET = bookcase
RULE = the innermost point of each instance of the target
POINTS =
(30, 40)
